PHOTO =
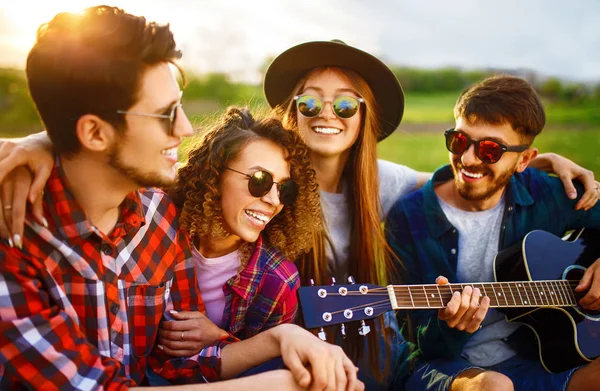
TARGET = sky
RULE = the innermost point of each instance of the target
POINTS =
(552, 37)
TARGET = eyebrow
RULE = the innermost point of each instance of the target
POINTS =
(338, 90)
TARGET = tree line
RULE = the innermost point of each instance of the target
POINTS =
(17, 110)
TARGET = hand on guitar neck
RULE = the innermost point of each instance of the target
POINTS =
(466, 310)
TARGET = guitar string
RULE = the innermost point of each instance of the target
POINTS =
(417, 298)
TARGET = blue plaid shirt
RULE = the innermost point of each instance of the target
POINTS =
(426, 242)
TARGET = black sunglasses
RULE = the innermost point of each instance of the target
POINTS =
(172, 116)
(261, 182)
(488, 151)
(343, 106)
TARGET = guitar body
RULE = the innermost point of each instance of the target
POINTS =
(567, 337)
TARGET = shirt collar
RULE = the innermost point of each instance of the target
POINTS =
(516, 194)
(250, 273)
(70, 219)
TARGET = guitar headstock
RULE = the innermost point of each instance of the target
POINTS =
(328, 305)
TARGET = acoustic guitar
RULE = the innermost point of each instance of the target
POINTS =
(535, 285)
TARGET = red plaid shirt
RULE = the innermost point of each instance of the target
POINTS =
(263, 294)
(80, 309)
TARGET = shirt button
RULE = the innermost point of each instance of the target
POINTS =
(454, 231)
(453, 251)
(510, 208)
(504, 227)
(107, 249)
(114, 308)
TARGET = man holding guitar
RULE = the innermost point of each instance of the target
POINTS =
(487, 200)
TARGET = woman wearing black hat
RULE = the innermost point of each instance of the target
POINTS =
(343, 101)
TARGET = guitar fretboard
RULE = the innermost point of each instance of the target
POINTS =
(553, 293)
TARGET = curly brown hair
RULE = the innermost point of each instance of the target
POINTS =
(196, 190)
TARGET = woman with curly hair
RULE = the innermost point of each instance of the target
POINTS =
(249, 203)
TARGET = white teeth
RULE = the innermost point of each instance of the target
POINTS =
(470, 174)
(322, 130)
(258, 216)
(172, 152)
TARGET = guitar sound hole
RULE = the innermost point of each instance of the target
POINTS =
(576, 274)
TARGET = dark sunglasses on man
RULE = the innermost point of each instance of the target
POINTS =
(261, 182)
(488, 151)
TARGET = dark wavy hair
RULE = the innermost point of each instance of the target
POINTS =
(92, 63)
(502, 99)
(196, 190)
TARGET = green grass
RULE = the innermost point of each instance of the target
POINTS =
(438, 108)
(426, 151)
(427, 108)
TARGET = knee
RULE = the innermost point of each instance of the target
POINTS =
(475, 380)
(495, 381)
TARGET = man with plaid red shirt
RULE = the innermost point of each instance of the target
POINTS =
(83, 292)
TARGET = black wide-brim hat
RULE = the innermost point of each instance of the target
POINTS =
(290, 66)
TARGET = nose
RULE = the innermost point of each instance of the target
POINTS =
(469, 158)
(327, 111)
(182, 126)
(272, 197)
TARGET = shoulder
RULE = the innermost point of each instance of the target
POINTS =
(395, 171)
(395, 180)
(155, 200)
(276, 266)
(540, 184)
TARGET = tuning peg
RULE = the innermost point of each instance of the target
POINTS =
(351, 280)
(322, 335)
(332, 281)
(343, 330)
(364, 329)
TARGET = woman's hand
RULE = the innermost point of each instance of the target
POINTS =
(568, 171)
(25, 165)
(188, 334)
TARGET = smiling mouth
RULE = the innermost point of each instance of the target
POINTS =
(326, 130)
(471, 174)
(259, 218)
(170, 153)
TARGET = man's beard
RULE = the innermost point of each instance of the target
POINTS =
(470, 192)
(151, 179)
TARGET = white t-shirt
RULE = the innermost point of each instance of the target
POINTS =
(478, 239)
(395, 180)
(212, 274)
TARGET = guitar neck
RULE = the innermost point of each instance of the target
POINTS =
(552, 293)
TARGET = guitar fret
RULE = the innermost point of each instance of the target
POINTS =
(559, 297)
(564, 294)
(503, 294)
(551, 293)
(412, 302)
(527, 301)
(540, 294)
(426, 298)
(571, 295)
(514, 301)
(535, 300)
(494, 297)
(519, 293)
(440, 296)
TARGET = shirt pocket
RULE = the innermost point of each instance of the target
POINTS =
(145, 307)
